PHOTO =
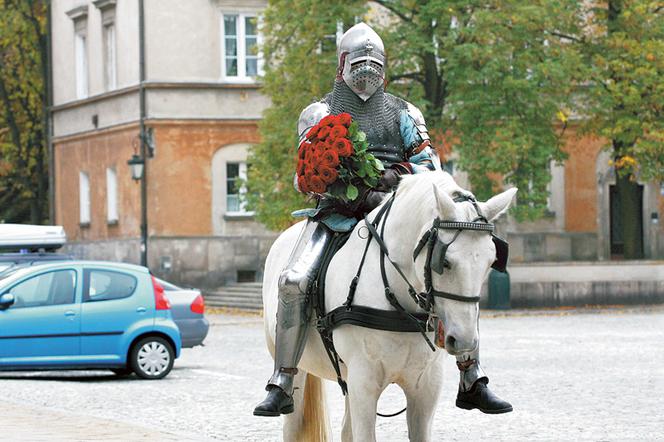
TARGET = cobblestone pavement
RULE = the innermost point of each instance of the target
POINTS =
(571, 375)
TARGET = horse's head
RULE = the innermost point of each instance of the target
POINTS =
(460, 260)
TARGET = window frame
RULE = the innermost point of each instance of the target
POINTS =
(85, 296)
(110, 55)
(242, 190)
(81, 60)
(241, 55)
(28, 278)
(112, 212)
(84, 205)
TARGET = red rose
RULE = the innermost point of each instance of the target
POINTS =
(329, 143)
(343, 147)
(302, 150)
(301, 165)
(328, 175)
(344, 119)
(316, 184)
(323, 132)
(313, 132)
(326, 121)
(338, 132)
(302, 184)
(330, 158)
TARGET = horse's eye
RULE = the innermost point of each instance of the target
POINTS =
(446, 264)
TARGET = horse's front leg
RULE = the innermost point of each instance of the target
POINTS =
(346, 429)
(422, 396)
(364, 388)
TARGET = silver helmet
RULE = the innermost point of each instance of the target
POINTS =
(361, 56)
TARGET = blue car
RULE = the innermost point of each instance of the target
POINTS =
(86, 315)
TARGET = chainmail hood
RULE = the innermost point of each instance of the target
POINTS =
(378, 117)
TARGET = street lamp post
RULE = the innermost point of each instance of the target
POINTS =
(137, 166)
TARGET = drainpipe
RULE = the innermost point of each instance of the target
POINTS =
(142, 135)
(48, 130)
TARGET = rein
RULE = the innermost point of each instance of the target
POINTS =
(436, 250)
(390, 320)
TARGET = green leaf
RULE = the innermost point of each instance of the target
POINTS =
(352, 192)
(379, 164)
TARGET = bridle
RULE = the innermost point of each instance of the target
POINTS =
(435, 258)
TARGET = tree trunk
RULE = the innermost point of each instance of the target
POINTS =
(632, 230)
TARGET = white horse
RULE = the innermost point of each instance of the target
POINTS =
(373, 359)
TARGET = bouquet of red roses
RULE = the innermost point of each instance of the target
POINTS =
(333, 159)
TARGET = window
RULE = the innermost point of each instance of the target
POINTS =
(81, 60)
(111, 196)
(241, 59)
(106, 285)
(110, 72)
(84, 197)
(52, 288)
(236, 174)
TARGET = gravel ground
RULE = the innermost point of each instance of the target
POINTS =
(591, 374)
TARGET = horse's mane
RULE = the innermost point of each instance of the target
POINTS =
(417, 189)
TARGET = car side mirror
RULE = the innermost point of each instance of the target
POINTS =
(6, 301)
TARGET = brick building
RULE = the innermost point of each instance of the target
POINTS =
(202, 105)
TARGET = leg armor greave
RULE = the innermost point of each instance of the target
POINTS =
(294, 310)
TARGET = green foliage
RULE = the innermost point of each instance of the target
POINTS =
(300, 64)
(627, 84)
(23, 156)
(498, 78)
(493, 76)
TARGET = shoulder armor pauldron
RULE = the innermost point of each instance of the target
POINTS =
(310, 116)
(418, 119)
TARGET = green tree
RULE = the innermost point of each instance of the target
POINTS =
(23, 103)
(495, 74)
(625, 47)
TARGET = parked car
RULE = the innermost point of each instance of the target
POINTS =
(10, 260)
(85, 315)
(188, 307)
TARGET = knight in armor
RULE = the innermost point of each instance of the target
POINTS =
(397, 135)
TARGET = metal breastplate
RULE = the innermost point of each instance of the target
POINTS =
(378, 117)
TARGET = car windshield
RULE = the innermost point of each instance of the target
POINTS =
(7, 273)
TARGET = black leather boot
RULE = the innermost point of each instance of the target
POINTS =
(276, 403)
(480, 397)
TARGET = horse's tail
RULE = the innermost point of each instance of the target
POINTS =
(315, 423)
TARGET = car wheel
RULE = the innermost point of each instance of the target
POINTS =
(122, 372)
(152, 357)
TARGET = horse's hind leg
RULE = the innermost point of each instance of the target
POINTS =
(422, 397)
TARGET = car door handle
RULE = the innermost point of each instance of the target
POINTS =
(140, 310)
(70, 313)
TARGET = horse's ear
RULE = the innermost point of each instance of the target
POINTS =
(444, 204)
(498, 204)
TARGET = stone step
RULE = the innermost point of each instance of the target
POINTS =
(247, 296)
(248, 304)
(221, 298)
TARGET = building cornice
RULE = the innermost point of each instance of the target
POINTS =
(156, 122)
(78, 12)
(172, 85)
(104, 4)
(95, 98)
